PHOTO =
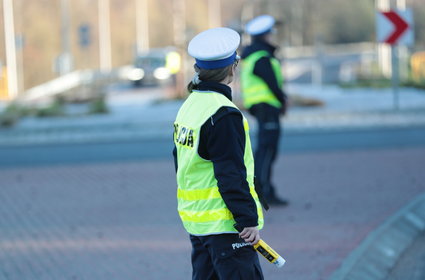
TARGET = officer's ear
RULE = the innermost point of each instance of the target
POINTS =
(231, 70)
(230, 73)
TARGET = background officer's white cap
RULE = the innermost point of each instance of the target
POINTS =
(260, 25)
(214, 48)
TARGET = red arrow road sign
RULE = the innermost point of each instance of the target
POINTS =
(400, 26)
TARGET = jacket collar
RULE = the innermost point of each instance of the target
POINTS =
(258, 44)
(216, 87)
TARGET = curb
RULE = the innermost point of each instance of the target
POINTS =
(381, 249)
(163, 131)
(95, 134)
(140, 127)
(159, 131)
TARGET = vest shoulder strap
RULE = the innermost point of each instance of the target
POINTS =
(223, 111)
(258, 54)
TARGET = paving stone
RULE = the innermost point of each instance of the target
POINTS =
(119, 220)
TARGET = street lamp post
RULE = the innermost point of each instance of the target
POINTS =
(142, 25)
(384, 51)
(9, 31)
(104, 36)
(179, 23)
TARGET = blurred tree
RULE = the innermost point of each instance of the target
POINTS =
(123, 32)
(160, 23)
(348, 21)
(38, 23)
(197, 16)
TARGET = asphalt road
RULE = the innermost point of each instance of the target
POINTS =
(139, 150)
(118, 220)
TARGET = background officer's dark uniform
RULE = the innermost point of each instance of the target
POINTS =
(222, 141)
(269, 128)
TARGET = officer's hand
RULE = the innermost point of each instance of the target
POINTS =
(250, 234)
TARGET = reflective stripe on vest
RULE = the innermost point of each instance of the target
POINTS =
(200, 205)
(254, 89)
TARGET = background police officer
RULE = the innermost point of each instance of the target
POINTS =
(217, 202)
(263, 96)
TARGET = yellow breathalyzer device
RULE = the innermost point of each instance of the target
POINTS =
(270, 254)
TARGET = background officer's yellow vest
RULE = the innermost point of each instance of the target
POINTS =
(200, 205)
(254, 89)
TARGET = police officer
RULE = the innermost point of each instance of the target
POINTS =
(217, 202)
(263, 96)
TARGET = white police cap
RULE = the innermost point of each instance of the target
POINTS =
(260, 25)
(214, 48)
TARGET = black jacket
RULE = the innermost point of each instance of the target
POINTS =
(263, 67)
(222, 141)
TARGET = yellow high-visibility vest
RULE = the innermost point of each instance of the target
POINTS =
(200, 205)
(254, 89)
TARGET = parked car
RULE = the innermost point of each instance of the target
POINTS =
(151, 68)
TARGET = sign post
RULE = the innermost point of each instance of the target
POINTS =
(395, 27)
(395, 79)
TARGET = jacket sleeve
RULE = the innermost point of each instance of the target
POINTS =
(225, 144)
(264, 70)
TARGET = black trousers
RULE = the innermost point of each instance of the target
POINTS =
(224, 257)
(269, 130)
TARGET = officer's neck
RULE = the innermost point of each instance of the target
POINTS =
(266, 43)
(227, 80)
